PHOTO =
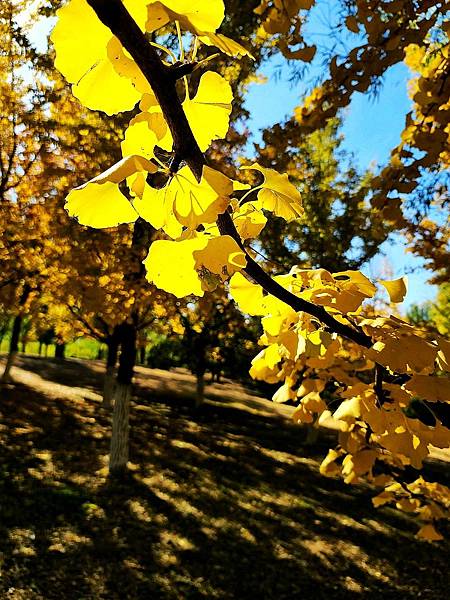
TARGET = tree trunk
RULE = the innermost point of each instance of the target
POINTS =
(13, 348)
(111, 360)
(120, 430)
(120, 421)
(60, 351)
(40, 349)
(15, 335)
(142, 355)
(24, 347)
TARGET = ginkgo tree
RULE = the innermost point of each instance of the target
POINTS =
(315, 333)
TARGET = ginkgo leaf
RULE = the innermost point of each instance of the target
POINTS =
(80, 40)
(102, 88)
(144, 132)
(196, 17)
(125, 66)
(124, 168)
(247, 295)
(99, 203)
(430, 533)
(156, 207)
(193, 265)
(397, 288)
(225, 44)
(429, 387)
(86, 54)
(278, 195)
(350, 279)
(249, 221)
(209, 111)
(188, 201)
(171, 266)
(199, 202)
(222, 256)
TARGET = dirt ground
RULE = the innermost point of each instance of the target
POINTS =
(220, 503)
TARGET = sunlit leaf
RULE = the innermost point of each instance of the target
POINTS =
(397, 288)
(197, 17)
(99, 203)
(278, 195)
(247, 295)
(86, 54)
(171, 266)
(209, 111)
(225, 44)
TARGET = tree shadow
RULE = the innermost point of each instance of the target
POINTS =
(219, 504)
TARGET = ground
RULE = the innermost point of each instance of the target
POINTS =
(222, 503)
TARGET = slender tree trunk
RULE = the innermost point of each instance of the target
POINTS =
(142, 355)
(40, 349)
(24, 347)
(120, 421)
(46, 350)
(15, 335)
(111, 360)
(60, 351)
(13, 348)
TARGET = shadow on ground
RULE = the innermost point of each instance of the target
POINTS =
(220, 504)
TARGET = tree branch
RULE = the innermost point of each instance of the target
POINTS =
(115, 16)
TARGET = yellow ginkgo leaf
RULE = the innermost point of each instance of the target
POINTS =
(225, 44)
(278, 195)
(429, 387)
(99, 203)
(171, 266)
(221, 257)
(80, 40)
(247, 295)
(144, 132)
(196, 17)
(209, 111)
(124, 168)
(430, 533)
(397, 288)
(355, 280)
(249, 221)
(125, 66)
(156, 207)
(199, 202)
(83, 44)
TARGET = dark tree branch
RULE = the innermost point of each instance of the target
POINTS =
(114, 15)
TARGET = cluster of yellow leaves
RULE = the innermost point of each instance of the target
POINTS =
(282, 17)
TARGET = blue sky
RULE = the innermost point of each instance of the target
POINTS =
(372, 127)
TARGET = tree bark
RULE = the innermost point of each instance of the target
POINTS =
(142, 355)
(15, 335)
(60, 351)
(111, 360)
(120, 420)
(120, 430)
